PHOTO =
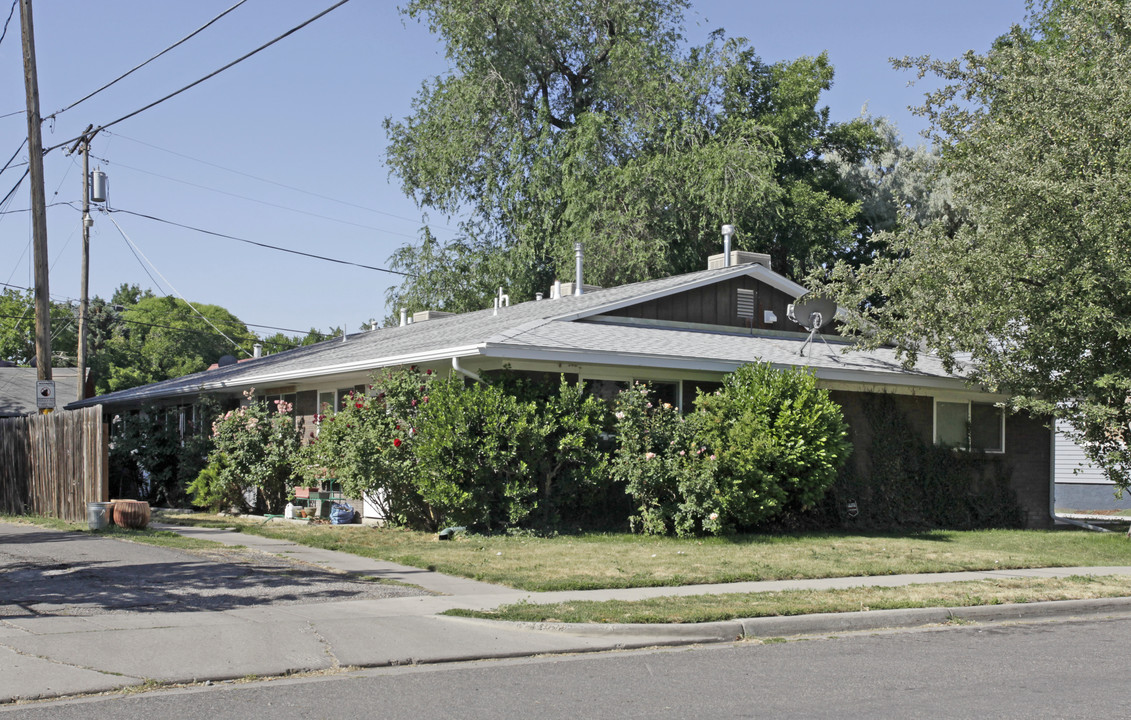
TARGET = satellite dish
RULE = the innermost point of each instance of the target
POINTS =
(812, 313)
(227, 360)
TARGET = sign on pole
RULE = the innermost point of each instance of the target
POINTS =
(45, 394)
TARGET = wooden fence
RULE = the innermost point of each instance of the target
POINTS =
(54, 464)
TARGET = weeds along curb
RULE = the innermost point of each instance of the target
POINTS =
(823, 623)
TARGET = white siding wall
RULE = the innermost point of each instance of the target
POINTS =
(1071, 464)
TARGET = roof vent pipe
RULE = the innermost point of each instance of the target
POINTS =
(404, 317)
(556, 291)
(257, 350)
(728, 233)
(538, 296)
(577, 283)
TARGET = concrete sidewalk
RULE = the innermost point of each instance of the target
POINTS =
(50, 656)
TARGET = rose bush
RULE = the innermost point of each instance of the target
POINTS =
(368, 445)
(255, 446)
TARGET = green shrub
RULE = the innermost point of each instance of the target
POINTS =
(767, 441)
(670, 475)
(566, 459)
(152, 459)
(368, 446)
(261, 449)
(215, 490)
(780, 441)
(475, 448)
(908, 482)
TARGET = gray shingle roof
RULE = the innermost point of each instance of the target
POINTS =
(17, 389)
(549, 326)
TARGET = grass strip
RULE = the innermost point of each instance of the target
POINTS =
(148, 536)
(710, 608)
(619, 560)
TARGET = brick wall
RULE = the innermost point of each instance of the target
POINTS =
(1027, 447)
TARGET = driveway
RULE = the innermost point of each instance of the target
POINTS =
(51, 573)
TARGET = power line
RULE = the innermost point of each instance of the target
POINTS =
(260, 244)
(177, 292)
(15, 187)
(209, 76)
(138, 67)
(17, 152)
(254, 200)
(10, 14)
(171, 327)
(269, 181)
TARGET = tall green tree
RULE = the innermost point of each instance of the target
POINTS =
(1032, 296)
(17, 329)
(589, 121)
(157, 338)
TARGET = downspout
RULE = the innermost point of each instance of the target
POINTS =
(1052, 490)
(465, 373)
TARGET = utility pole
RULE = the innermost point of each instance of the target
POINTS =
(38, 200)
(86, 223)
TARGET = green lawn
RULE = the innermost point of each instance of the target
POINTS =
(577, 562)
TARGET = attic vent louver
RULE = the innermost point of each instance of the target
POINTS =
(745, 304)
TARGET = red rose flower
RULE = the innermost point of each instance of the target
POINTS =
(357, 405)
(396, 442)
(429, 372)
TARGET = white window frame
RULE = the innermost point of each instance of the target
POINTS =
(969, 410)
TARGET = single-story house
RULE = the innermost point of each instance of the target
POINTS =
(682, 334)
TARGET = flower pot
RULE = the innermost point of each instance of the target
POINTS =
(131, 513)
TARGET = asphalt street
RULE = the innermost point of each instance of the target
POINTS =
(1048, 669)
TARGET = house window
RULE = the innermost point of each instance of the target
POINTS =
(694, 389)
(605, 389)
(666, 391)
(970, 425)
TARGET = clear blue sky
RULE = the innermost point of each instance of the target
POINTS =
(287, 147)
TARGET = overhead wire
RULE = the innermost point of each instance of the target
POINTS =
(134, 69)
(209, 76)
(260, 244)
(268, 181)
(17, 152)
(255, 200)
(11, 12)
(69, 300)
(175, 291)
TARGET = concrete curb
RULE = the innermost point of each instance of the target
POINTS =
(824, 623)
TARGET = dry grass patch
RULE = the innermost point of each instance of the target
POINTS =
(582, 562)
(709, 608)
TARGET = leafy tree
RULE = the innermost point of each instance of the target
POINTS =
(17, 329)
(589, 122)
(280, 342)
(157, 338)
(1032, 296)
(896, 184)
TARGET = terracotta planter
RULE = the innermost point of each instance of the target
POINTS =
(131, 513)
